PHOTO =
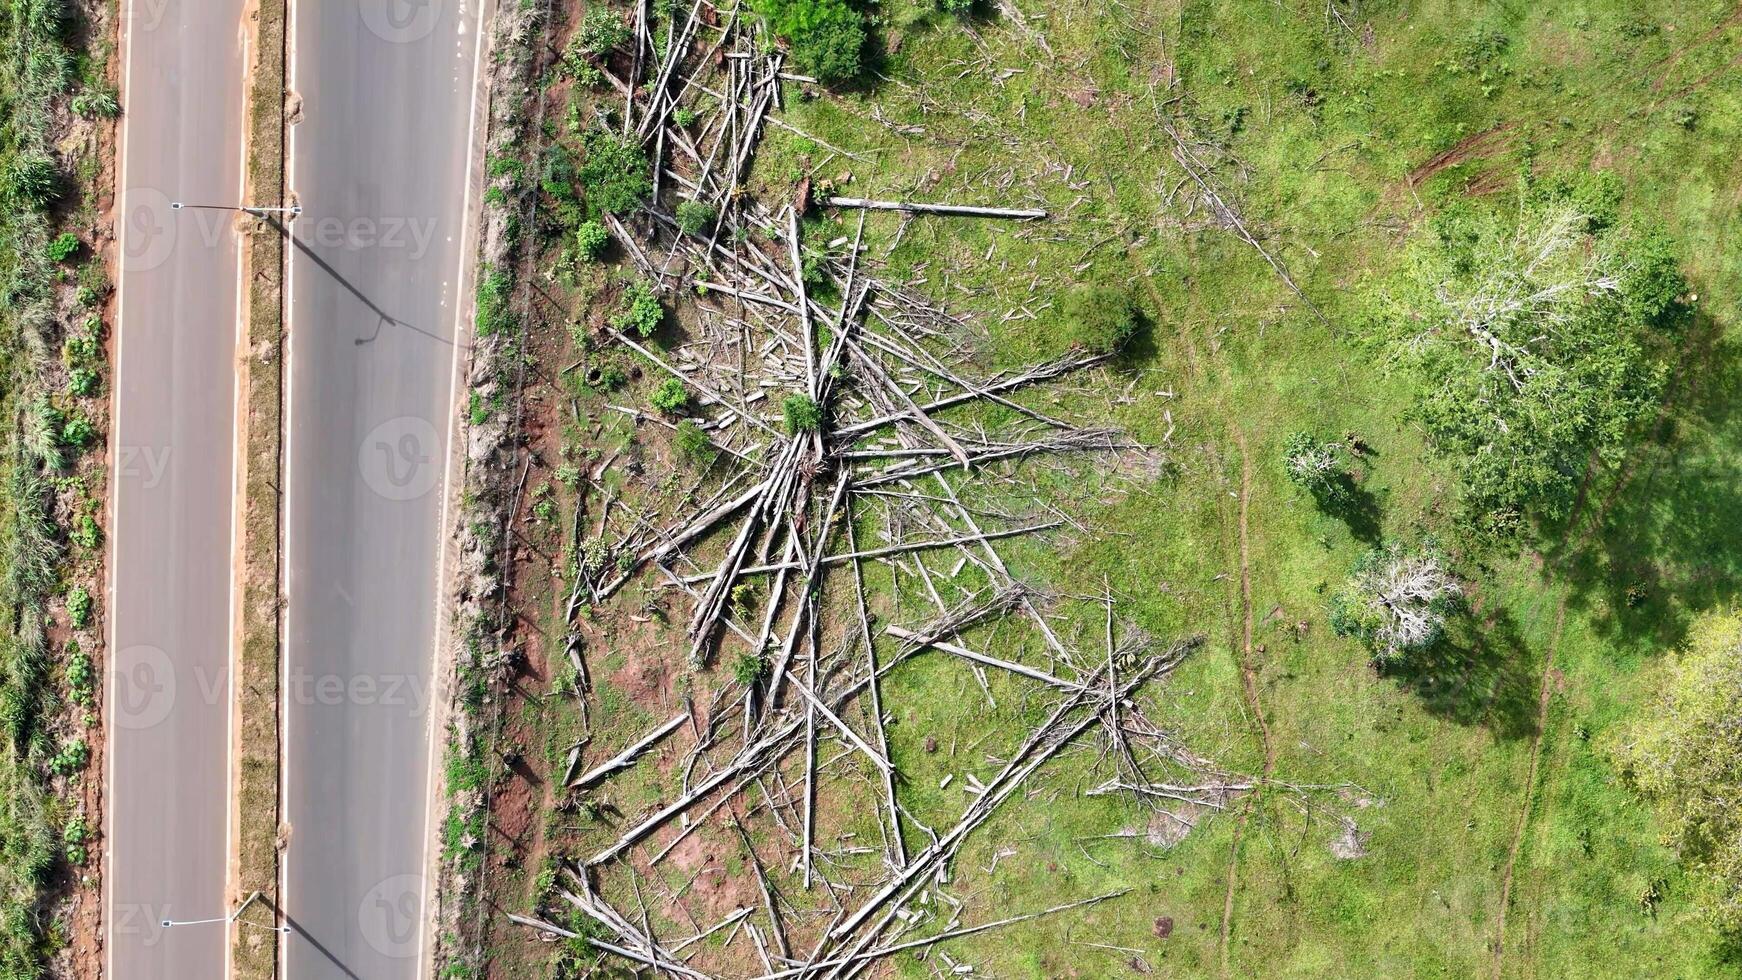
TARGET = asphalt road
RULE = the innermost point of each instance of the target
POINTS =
(378, 162)
(172, 471)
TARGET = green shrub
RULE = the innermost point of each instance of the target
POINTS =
(685, 117)
(62, 247)
(590, 240)
(79, 607)
(749, 668)
(1319, 468)
(1099, 319)
(616, 174)
(85, 346)
(959, 8)
(83, 381)
(670, 397)
(78, 432)
(696, 217)
(81, 675)
(693, 442)
(97, 103)
(602, 32)
(642, 312)
(72, 757)
(801, 414)
(87, 533)
(827, 36)
(1396, 600)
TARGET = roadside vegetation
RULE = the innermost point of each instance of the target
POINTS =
(54, 93)
(1423, 315)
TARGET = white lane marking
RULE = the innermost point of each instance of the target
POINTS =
(287, 350)
(112, 685)
(238, 441)
(426, 961)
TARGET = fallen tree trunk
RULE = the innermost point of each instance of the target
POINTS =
(913, 207)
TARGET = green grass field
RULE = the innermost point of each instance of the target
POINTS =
(1459, 816)
(1319, 126)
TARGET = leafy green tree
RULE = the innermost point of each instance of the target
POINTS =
(1684, 754)
(1396, 601)
(1539, 339)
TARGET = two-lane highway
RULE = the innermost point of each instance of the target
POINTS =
(378, 287)
(172, 490)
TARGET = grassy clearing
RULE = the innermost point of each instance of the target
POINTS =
(1321, 127)
(1332, 133)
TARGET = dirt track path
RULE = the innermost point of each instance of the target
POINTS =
(1249, 689)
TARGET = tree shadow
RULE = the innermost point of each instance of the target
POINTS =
(1478, 674)
(1358, 509)
(1661, 539)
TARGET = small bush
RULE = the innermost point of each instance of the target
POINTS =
(670, 397)
(87, 533)
(615, 175)
(79, 607)
(602, 32)
(97, 104)
(827, 36)
(642, 313)
(72, 757)
(801, 414)
(62, 247)
(696, 217)
(1099, 319)
(83, 382)
(78, 432)
(1318, 468)
(749, 668)
(693, 442)
(684, 117)
(959, 8)
(590, 241)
